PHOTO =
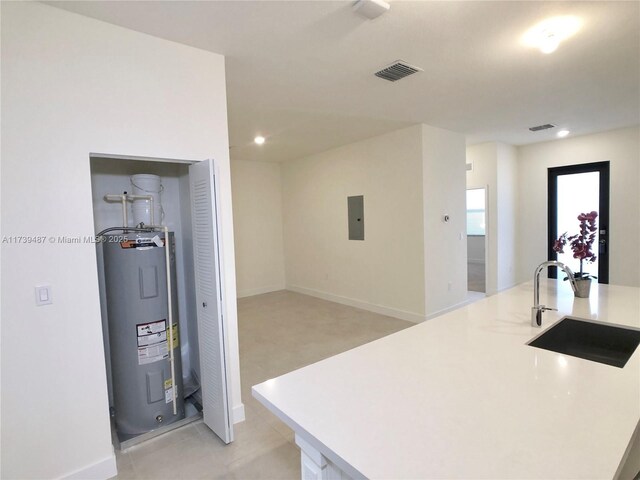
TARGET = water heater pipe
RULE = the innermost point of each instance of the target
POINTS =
(123, 198)
(120, 198)
(170, 314)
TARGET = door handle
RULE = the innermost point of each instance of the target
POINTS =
(602, 247)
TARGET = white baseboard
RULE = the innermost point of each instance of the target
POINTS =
(98, 471)
(390, 312)
(237, 413)
(259, 291)
(456, 306)
(502, 289)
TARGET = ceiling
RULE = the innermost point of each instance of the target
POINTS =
(301, 72)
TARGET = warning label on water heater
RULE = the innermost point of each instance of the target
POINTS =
(168, 391)
(152, 342)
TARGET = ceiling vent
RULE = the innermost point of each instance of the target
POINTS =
(546, 126)
(397, 70)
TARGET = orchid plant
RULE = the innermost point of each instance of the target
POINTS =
(581, 244)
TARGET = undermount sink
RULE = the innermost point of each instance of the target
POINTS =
(609, 344)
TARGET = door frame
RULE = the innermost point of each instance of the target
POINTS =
(488, 256)
(603, 215)
(218, 260)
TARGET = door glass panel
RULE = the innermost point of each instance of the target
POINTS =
(577, 193)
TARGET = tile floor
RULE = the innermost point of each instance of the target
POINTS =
(279, 332)
(476, 277)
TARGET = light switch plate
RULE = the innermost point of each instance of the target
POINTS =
(43, 295)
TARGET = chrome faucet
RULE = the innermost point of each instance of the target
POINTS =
(537, 309)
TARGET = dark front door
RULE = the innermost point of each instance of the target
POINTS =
(575, 189)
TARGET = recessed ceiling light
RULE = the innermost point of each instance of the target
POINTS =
(563, 133)
(259, 139)
(548, 34)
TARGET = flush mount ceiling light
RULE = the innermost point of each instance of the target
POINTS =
(563, 133)
(370, 8)
(547, 35)
(259, 140)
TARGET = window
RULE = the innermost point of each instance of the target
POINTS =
(476, 211)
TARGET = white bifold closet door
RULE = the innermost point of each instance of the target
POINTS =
(211, 333)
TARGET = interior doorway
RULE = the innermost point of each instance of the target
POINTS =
(476, 240)
(575, 189)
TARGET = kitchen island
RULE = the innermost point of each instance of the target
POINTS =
(464, 396)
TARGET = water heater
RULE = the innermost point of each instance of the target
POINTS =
(135, 279)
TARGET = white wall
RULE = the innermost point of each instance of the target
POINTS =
(257, 210)
(620, 147)
(385, 272)
(71, 86)
(506, 208)
(411, 264)
(445, 246)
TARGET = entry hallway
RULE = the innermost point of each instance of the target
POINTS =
(279, 332)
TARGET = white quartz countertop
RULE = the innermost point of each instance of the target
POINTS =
(463, 396)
